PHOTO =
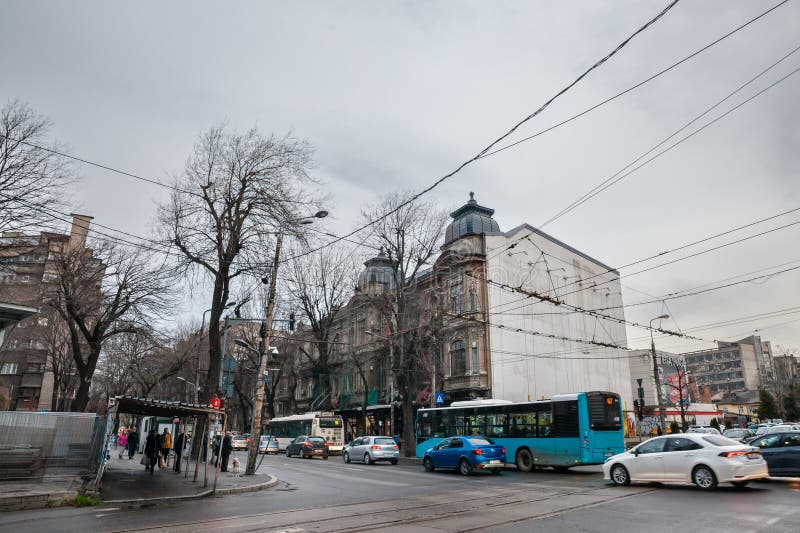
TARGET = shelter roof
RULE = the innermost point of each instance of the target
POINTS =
(151, 407)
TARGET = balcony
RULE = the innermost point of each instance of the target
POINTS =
(468, 381)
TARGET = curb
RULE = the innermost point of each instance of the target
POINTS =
(148, 502)
(38, 500)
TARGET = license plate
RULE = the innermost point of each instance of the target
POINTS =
(608, 454)
(494, 462)
(753, 455)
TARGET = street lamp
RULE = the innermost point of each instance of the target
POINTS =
(266, 331)
(391, 378)
(662, 415)
(194, 385)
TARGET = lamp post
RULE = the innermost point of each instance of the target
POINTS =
(179, 378)
(199, 342)
(662, 415)
(266, 332)
(391, 378)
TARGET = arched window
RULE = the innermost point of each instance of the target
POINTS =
(458, 358)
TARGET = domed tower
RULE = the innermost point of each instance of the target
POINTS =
(470, 219)
(378, 276)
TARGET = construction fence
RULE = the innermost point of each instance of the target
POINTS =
(35, 445)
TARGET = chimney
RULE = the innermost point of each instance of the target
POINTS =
(80, 228)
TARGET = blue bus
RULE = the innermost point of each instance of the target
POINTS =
(566, 430)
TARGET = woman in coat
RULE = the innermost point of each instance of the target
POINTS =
(122, 442)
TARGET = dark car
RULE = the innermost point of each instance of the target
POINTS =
(466, 454)
(781, 451)
(307, 447)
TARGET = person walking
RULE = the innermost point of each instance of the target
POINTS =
(122, 441)
(215, 445)
(180, 442)
(165, 442)
(227, 448)
(151, 450)
(133, 443)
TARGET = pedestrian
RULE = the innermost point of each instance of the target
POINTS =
(133, 443)
(122, 440)
(151, 451)
(215, 444)
(165, 443)
(658, 430)
(227, 448)
(180, 441)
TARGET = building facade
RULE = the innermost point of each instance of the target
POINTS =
(733, 366)
(499, 317)
(31, 349)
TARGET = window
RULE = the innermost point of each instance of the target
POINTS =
(792, 439)
(495, 425)
(522, 424)
(767, 441)
(652, 446)
(8, 368)
(545, 423)
(472, 300)
(456, 443)
(475, 367)
(565, 419)
(458, 358)
(679, 444)
(455, 299)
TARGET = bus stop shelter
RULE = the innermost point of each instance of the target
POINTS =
(200, 416)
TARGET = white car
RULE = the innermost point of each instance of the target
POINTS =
(698, 458)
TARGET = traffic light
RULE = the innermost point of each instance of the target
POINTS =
(216, 403)
(291, 321)
(638, 405)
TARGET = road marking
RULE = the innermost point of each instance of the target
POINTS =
(287, 530)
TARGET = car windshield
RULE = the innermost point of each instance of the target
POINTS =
(479, 442)
(733, 433)
(384, 440)
(316, 439)
(719, 440)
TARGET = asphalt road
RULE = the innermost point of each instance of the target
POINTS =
(317, 495)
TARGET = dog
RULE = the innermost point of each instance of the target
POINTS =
(236, 470)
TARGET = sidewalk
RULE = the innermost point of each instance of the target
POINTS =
(127, 482)
(36, 494)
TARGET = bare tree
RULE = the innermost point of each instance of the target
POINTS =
(32, 178)
(320, 284)
(411, 235)
(236, 190)
(102, 294)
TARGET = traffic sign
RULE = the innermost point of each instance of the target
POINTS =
(439, 399)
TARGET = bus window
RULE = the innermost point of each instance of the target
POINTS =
(441, 425)
(495, 425)
(604, 411)
(522, 425)
(475, 425)
(565, 419)
(458, 424)
(545, 423)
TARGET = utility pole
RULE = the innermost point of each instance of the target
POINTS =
(263, 351)
(662, 415)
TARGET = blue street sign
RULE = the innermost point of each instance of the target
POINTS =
(439, 398)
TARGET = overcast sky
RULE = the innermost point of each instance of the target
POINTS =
(395, 94)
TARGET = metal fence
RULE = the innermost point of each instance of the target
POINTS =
(34, 445)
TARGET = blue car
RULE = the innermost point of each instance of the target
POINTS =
(465, 454)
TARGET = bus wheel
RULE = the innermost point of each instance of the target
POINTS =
(524, 460)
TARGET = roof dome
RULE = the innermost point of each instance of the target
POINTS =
(470, 219)
(378, 274)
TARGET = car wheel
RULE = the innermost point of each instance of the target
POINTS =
(464, 468)
(394, 461)
(428, 464)
(325, 457)
(620, 476)
(739, 484)
(346, 457)
(367, 459)
(704, 478)
(287, 453)
(302, 454)
(524, 460)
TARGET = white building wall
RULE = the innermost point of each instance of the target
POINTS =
(526, 366)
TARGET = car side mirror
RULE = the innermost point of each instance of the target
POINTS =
(636, 453)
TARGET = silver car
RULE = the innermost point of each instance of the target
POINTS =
(371, 449)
